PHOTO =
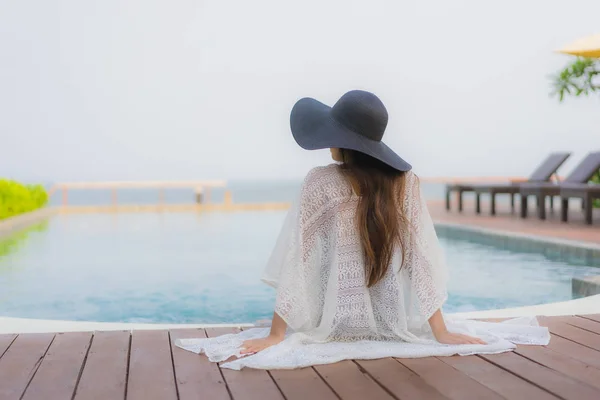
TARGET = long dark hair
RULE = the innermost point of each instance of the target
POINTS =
(380, 216)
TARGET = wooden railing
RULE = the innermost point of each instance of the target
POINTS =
(202, 189)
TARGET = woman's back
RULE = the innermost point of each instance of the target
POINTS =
(326, 295)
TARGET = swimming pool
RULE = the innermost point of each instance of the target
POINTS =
(204, 268)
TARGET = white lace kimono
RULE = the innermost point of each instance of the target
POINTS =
(317, 270)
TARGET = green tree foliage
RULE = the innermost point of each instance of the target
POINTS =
(580, 78)
(596, 180)
(16, 198)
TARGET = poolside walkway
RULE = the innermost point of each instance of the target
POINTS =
(146, 365)
(552, 227)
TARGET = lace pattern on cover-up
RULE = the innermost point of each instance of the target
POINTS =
(318, 272)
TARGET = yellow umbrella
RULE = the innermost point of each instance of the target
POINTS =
(585, 47)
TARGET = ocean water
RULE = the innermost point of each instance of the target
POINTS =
(205, 268)
(242, 192)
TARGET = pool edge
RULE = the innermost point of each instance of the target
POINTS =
(518, 235)
(9, 325)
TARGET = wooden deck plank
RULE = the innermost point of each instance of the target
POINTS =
(104, 374)
(595, 317)
(5, 342)
(247, 384)
(196, 377)
(574, 350)
(20, 362)
(350, 383)
(554, 382)
(572, 333)
(150, 367)
(44, 365)
(584, 323)
(500, 381)
(449, 381)
(300, 384)
(57, 376)
(399, 380)
(561, 363)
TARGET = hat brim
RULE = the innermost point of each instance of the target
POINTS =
(313, 128)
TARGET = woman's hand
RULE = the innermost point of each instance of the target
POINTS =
(446, 337)
(438, 327)
(276, 336)
(256, 345)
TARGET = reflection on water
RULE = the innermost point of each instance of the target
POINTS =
(13, 242)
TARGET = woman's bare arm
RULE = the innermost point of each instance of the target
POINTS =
(440, 331)
(277, 334)
(278, 326)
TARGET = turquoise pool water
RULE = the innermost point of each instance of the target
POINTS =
(204, 268)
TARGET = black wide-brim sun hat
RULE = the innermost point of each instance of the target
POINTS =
(357, 122)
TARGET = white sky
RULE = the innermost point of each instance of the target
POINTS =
(183, 89)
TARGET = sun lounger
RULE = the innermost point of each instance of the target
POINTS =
(543, 173)
(576, 180)
(586, 192)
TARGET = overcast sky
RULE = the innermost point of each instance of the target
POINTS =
(183, 89)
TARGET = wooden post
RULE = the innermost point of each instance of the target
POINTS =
(524, 205)
(198, 194)
(541, 200)
(564, 209)
(65, 196)
(589, 206)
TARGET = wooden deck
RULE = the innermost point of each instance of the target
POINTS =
(146, 365)
(505, 220)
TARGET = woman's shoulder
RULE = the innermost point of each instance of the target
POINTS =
(326, 182)
(324, 172)
(411, 178)
(412, 190)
